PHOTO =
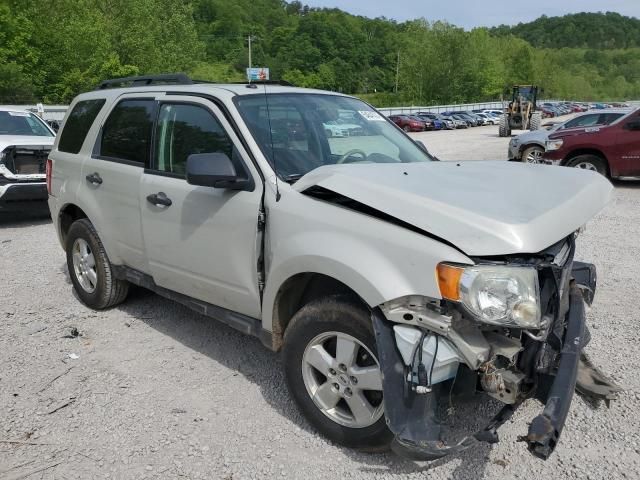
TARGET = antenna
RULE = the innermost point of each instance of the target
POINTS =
(273, 150)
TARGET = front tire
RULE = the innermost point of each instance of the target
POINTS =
(332, 371)
(504, 130)
(536, 121)
(589, 162)
(532, 154)
(90, 269)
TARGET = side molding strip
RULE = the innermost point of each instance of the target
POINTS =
(247, 325)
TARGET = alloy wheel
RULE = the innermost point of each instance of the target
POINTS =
(343, 378)
(84, 265)
(534, 156)
(586, 166)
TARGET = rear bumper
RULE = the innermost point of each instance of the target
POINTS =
(20, 196)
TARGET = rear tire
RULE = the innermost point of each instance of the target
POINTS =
(504, 129)
(536, 121)
(406, 128)
(90, 269)
(314, 333)
(590, 162)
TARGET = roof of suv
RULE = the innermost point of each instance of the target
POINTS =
(223, 91)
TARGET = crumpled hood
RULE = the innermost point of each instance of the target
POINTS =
(483, 208)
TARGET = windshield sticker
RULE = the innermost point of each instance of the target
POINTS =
(19, 114)
(371, 116)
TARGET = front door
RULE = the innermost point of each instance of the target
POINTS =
(205, 243)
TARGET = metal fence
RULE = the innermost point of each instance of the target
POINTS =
(497, 105)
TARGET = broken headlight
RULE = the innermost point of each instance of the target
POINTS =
(495, 294)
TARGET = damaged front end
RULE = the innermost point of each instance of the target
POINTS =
(23, 176)
(533, 351)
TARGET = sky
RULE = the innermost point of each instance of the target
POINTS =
(477, 13)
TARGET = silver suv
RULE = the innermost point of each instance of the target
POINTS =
(385, 277)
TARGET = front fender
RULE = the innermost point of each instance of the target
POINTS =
(387, 263)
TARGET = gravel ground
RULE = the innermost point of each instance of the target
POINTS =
(151, 390)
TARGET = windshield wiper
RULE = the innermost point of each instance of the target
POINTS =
(293, 178)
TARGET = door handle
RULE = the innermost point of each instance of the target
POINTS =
(94, 178)
(159, 199)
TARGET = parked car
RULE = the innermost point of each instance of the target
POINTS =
(463, 119)
(381, 275)
(25, 142)
(435, 119)
(488, 119)
(611, 150)
(480, 121)
(341, 128)
(473, 121)
(408, 123)
(457, 123)
(530, 146)
(429, 124)
(547, 112)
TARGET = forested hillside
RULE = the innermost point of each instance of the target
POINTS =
(50, 52)
(580, 30)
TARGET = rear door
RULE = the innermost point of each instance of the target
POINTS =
(204, 244)
(111, 177)
(625, 148)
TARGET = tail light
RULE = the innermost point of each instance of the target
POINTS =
(49, 171)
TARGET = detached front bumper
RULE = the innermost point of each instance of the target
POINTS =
(20, 196)
(545, 429)
(412, 417)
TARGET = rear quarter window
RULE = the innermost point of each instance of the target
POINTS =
(77, 125)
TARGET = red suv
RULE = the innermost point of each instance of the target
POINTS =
(612, 150)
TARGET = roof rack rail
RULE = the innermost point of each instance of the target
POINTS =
(284, 83)
(145, 80)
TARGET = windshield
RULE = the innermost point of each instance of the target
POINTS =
(23, 123)
(305, 131)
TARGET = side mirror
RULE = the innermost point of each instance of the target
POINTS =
(633, 125)
(214, 170)
(422, 145)
(424, 148)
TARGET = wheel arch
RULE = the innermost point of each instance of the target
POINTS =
(67, 215)
(587, 151)
(531, 144)
(297, 291)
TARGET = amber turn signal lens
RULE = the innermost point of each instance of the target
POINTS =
(449, 281)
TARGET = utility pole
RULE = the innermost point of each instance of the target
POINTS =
(249, 39)
(398, 71)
